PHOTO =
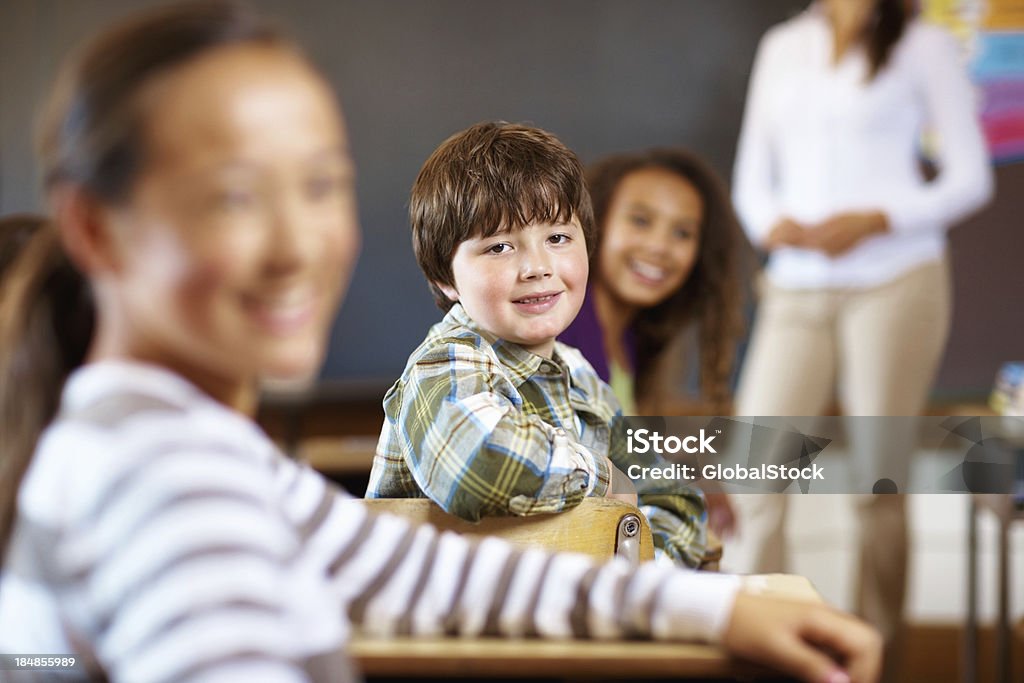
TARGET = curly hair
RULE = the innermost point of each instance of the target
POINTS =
(711, 296)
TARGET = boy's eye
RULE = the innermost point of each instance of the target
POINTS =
(559, 238)
(499, 248)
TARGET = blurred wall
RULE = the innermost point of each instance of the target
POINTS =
(604, 75)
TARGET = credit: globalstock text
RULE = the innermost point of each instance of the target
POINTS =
(727, 472)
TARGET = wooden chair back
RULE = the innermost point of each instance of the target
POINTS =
(599, 527)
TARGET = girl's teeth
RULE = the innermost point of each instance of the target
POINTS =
(296, 297)
(284, 306)
(648, 271)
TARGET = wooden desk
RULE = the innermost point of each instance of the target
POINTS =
(496, 657)
(532, 658)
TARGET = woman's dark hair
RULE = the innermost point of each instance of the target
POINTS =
(710, 297)
(91, 137)
(883, 31)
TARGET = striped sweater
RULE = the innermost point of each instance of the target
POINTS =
(162, 537)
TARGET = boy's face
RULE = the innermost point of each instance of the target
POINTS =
(525, 286)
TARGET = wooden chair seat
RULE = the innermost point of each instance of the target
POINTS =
(599, 527)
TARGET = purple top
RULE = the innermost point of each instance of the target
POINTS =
(586, 335)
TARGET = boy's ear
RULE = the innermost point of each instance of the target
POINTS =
(85, 230)
(448, 291)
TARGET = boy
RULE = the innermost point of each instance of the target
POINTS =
(492, 416)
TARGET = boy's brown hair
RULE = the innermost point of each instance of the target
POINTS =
(490, 178)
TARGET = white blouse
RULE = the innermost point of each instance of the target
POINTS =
(819, 138)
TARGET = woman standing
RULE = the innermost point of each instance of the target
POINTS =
(857, 291)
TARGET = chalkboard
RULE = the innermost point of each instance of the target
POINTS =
(604, 75)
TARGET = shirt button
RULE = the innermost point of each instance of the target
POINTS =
(547, 367)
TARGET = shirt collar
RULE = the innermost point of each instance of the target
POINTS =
(520, 363)
(94, 381)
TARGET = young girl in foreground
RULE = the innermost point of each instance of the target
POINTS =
(200, 180)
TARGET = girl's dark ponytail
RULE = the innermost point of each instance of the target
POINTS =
(46, 325)
(90, 137)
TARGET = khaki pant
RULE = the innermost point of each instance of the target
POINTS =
(880, 349)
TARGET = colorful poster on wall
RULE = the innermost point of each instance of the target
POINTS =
(992, 32)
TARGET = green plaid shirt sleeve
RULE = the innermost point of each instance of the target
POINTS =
(456, 431)
(676, 511)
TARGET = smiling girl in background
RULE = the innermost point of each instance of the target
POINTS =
(200, 181)
(667, 253)
(666, 261)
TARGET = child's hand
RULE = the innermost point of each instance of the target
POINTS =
(620, 486)
(624, 497)
(811, 641)
(721, 516)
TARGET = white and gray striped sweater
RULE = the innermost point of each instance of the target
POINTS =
(162, 537)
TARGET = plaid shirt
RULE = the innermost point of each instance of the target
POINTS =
(483, 427)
